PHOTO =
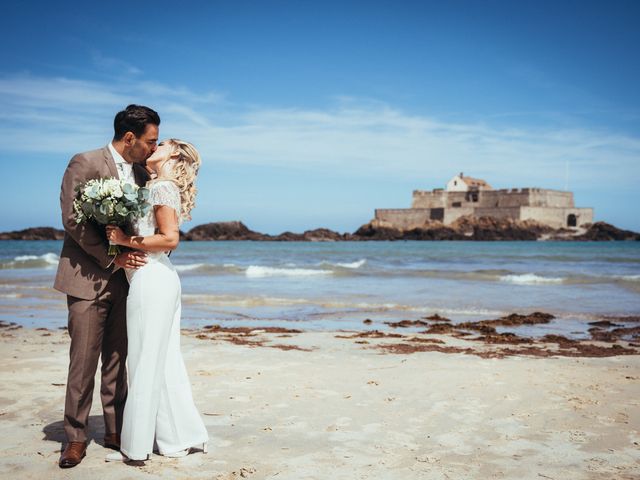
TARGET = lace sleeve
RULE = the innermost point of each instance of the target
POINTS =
(165, 193)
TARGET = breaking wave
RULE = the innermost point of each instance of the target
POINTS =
(46, 260)
(257, 271)
(351, 265)
(530, 279)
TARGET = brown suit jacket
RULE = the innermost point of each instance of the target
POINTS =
(85, 268)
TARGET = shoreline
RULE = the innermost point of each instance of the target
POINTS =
(283, 404)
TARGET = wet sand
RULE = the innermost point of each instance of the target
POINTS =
(357, 405)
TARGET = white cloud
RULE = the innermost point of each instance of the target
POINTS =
(59, 93)
(104, 62)
(351, 137)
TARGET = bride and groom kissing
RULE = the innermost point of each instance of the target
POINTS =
(126, 308)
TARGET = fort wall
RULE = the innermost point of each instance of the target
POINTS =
(452, 214)
(403, 218)
(515, 197)
(551, 207)
(558, 217)
(551, 198)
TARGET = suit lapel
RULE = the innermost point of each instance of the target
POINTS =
(140, 175)
(111, 163)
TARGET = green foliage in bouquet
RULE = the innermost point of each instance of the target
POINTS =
(110, 201)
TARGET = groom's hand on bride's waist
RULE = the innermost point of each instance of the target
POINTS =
(131, 259)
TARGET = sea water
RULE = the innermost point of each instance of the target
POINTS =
(331, 286)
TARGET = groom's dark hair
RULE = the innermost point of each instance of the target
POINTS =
(135, 119)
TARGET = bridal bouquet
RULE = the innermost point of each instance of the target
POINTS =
(110, 201)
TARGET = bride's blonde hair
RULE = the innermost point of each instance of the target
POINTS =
(183, 173)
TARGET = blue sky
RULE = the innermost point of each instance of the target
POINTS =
(313, 114)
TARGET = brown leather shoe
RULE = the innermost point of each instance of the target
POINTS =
(112, 440)
(73, 454)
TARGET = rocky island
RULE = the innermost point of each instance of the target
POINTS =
(465, 228)
(35, 233)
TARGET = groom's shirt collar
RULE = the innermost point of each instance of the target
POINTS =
(125, 169)
(116, 156)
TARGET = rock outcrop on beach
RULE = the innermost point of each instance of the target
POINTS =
(36, 233)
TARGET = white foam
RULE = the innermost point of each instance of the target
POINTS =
(530, 279)
(25, 258)
(188, 267)
(356, 264)
(48, 258)
(257, 271)
(628, 278)
(350, 265)
(51, 258)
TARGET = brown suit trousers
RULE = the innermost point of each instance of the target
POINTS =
(96, 297)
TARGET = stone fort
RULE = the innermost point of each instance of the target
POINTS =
(475, 197)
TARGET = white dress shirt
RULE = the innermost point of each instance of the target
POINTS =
(125, 172)
(125, 169)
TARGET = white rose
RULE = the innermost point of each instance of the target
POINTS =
(117, 191)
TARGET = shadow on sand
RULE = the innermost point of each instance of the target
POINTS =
(54, 432)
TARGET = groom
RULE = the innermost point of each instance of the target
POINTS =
(96, 286)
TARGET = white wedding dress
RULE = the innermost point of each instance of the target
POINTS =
(159, 404)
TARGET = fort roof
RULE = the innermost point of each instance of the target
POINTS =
(474, 182)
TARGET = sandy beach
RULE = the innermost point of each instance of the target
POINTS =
(316, 405)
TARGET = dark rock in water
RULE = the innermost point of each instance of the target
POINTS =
(407, 323)
(601, 231)
(490, 229)
(372, 232)
(439, 328)
(239, 231)
(516, 319)
(289, 237)
(627, 331)
(477, 326)
(36, 233)
(224, 231)
(464, 228)
(604, 323)
(627, 319)
(602, 335)
(323, 235)
(561, 340)
(317, 235)
(437, 318)
(368, 232)
(9, 325)
(506, 337)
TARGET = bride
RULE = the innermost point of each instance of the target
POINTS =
(160, 403)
